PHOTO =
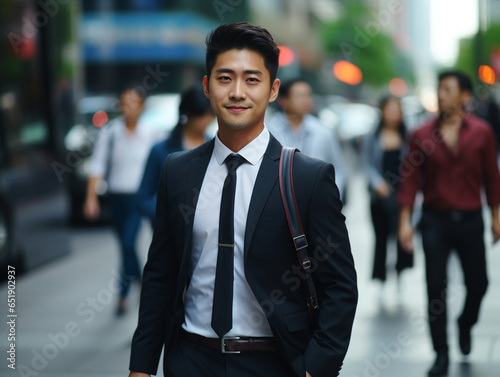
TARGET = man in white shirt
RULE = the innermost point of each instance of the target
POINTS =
(223, 295)
(295, 126)
(118, 161)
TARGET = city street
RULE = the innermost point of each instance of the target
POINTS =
(66, 325)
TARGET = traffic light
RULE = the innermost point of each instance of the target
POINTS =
(347, 72)
(487, 74)
(287, 56)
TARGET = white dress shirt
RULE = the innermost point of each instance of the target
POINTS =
(248, 317)
(129, 153)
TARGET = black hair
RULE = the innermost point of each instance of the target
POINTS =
(136, 87)
(242, 35)
(193, 101)
(286, 86)
(402, 126)
(464, 81)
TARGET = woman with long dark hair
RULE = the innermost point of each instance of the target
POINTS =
(381, 155)
(195, 114)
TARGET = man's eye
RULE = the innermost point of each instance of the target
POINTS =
(253, 79)
(224, 78)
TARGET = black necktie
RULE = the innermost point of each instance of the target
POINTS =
(222, 311)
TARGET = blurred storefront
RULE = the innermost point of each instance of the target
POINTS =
(158, 44)
(39, 80)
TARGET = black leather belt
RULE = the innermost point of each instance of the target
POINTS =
(455, 215)
(232, 344)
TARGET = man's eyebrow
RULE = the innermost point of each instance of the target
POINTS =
(247, 71)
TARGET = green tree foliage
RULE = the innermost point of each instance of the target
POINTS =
(476, 50)
(359, 36)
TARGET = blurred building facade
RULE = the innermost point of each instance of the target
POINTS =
(158, 44)
(294, 23)
(39, 80)
(490, 11)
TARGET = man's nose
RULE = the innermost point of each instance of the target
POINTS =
(237, 92)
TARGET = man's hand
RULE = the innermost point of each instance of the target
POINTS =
(405, 237)
(383, 190)
(308, 375)
(495, 227)
(138, 374)
(91, 209)
(405, 231)
(495, 223)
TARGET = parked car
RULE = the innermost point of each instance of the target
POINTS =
(351, 121)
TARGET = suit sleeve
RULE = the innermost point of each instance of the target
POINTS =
(158, 290)
(146, 195)
(335, 278)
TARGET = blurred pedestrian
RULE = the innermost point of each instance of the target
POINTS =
(295, 126)
(488, 109)
(195, 114)
(215, 298)
(450, 159)
(381, 155)
(118, 162)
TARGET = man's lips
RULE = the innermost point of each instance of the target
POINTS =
(236, 108)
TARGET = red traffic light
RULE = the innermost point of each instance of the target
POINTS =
(287, 56)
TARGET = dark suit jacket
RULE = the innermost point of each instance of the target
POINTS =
(270, 262)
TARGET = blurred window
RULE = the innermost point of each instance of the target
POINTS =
(22, 113)
(233, 10)
(37, 72)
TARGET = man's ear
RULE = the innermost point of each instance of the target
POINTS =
(275, 88)
(205, 86)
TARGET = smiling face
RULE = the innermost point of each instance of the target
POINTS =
(239, 91)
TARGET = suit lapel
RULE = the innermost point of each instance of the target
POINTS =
(266, 179)
(196, 174)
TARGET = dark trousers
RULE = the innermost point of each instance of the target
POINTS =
(126, 222)
(443, 232)
(188, 359)
(384, 213)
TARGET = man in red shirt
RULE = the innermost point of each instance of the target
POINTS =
(450, 160)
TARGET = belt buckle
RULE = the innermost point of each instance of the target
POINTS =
(223, 343)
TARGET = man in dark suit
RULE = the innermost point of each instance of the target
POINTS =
(261, 327)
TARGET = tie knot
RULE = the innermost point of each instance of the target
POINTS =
(233, 161)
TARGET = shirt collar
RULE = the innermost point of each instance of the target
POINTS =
(465, 121)
(304, 127)
(252, 152)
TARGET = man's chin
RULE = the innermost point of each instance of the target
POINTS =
(236, 125)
